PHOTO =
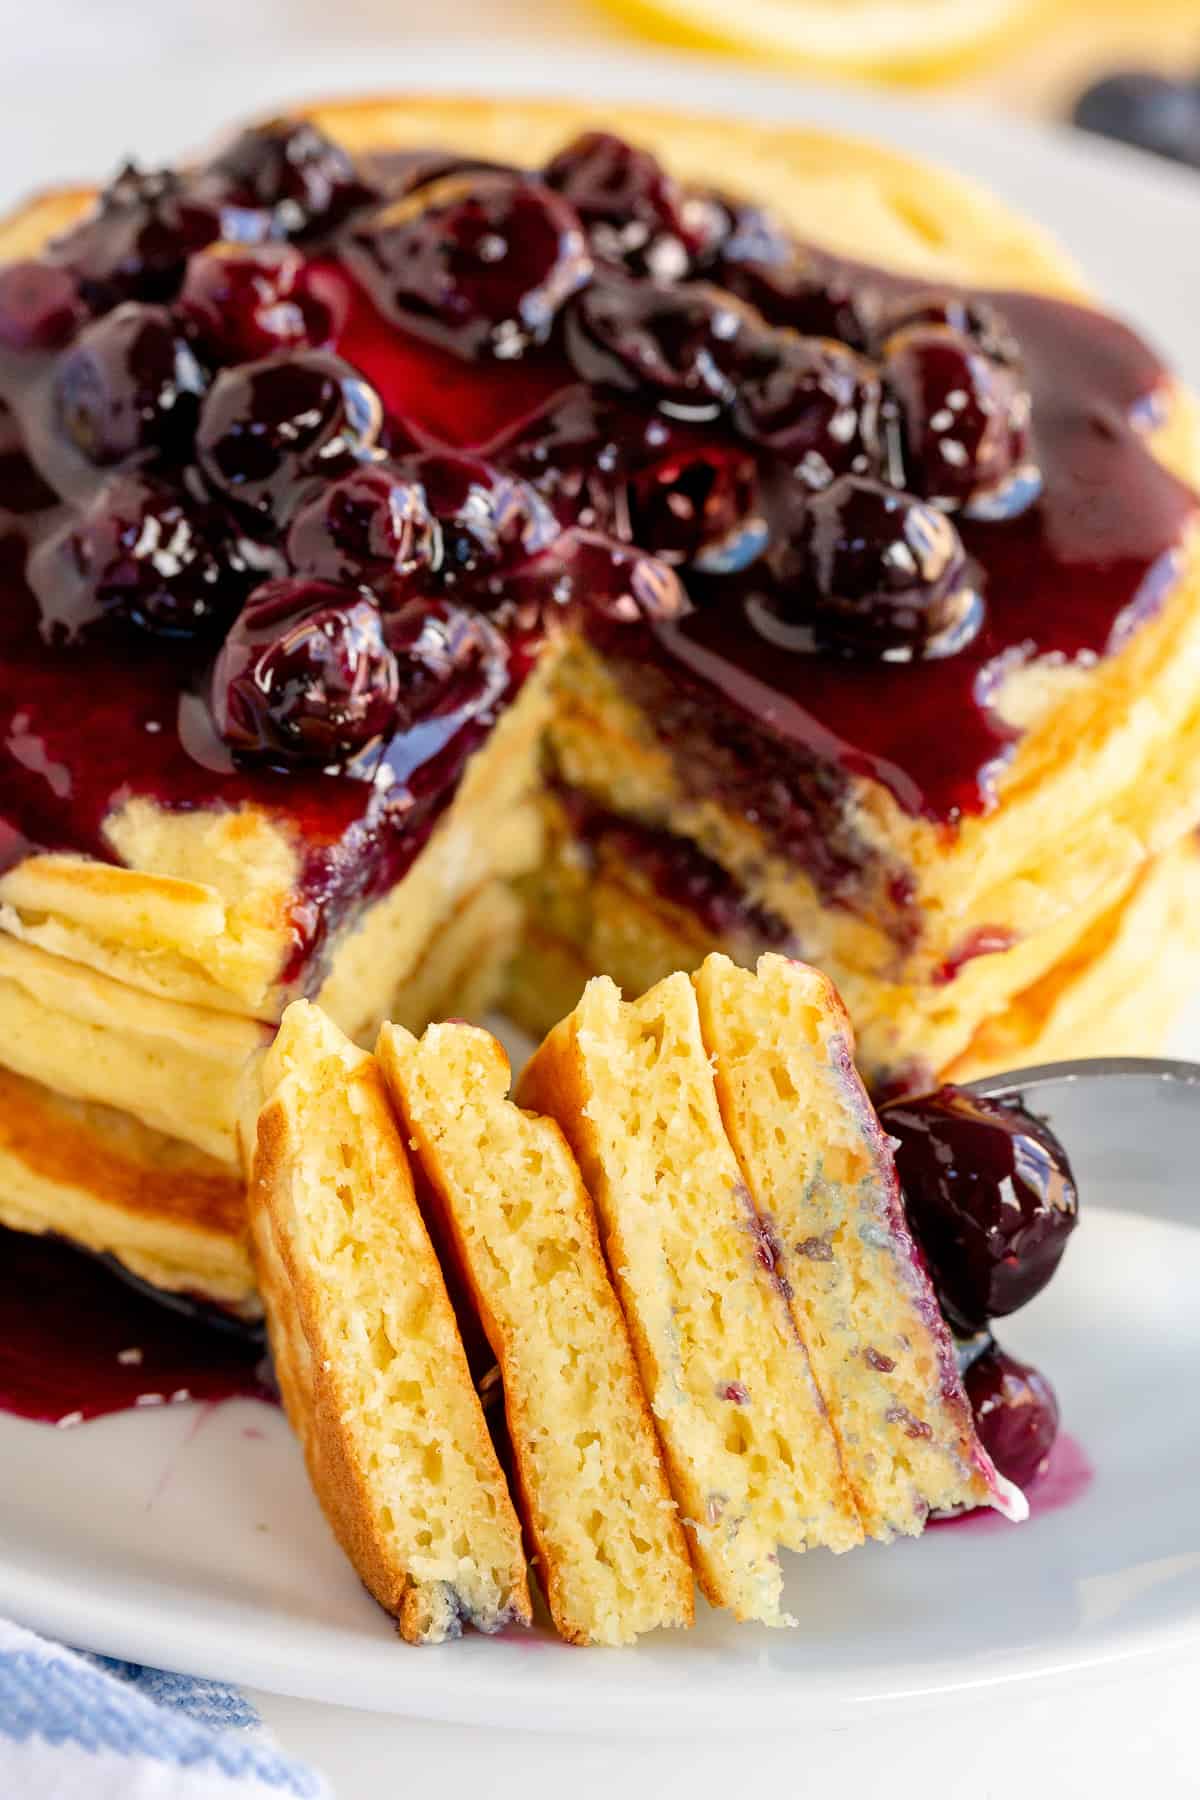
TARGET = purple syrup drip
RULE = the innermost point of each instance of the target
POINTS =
(1067, 1476)
(77, 1341)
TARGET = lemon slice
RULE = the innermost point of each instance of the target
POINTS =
(888, 40)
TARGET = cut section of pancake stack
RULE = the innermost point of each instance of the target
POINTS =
(686, 1252)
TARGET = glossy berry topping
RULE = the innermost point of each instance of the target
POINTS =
(633, 211)
(622, 584)
(305, 675)
(746, 234)
(372, 525)
(813, 402)
(450, 661)
(269, 430)
(990, 1197)
(792, 288)
(1147, 110)
(136, 242)
(244, 301)
(1016, 1414)
(963, 422)
(292, 172)
(400, 171)
(130, 385)
(966, 314)
(873, 572)
(147, 553)
(698, 507)
(487, 522)
(679, 346)
(480, 262)
(677, 436)
(40, 306)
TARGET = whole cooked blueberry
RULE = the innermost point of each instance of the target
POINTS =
(147, 552)
(291, 171)
(990, 1197)
(40, 306)
(1016, 1414)
(633, 211)
(965, 314)
(371, 525)
(574, 452)
(874, 572)
(487, 522)
(963, 422)
(135, 243)
(679, 347)
(450, 659)
(698, 507)
(130, 385)
(1147, 110)
(244, 301)
(480, 262)
(305, 675)
(269, 430)
(402, 171)
(804, 292)
(612, 581)
(747, 234)
(812, 401)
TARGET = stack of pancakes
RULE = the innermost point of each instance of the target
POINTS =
(1059, 921)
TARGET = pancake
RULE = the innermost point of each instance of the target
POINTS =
(99, 1177)
(370, 1363)
(512, 1215)
(819, 1170)
(752, 1457)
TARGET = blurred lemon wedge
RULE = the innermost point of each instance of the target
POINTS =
(885, 40)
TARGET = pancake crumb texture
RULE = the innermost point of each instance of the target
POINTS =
(509, 1200)
(818, 1166)
(751, 1455)
(373, 1372)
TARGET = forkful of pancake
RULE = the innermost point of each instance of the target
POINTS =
(647, 1322)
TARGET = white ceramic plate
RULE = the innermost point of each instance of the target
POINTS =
(189, 1537)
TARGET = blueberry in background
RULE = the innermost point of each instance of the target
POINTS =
(1152, 112)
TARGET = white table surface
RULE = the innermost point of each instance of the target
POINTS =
(84, 81)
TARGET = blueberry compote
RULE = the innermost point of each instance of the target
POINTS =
(991, 1201)
(79, 1341)
(304, 458)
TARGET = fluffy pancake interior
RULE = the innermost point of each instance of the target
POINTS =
(370, 1361)
(504, 1184)
(820, 1171)
(749, 1448)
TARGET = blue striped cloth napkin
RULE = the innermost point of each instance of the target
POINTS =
(80, 1727)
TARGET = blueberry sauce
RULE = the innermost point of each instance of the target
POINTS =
(675, 869)
(1066, 1476)
(80, 1341)
(1060, 579)
(186, 375)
